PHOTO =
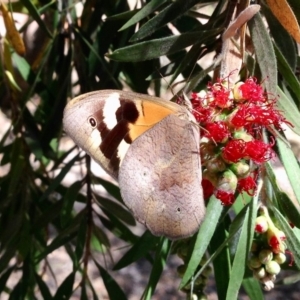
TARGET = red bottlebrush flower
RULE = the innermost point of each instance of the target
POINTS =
(251, 90)
(202, 114)
(208, 188)
(234, 150)
(221, 95)
(240, 117)
(258, 151)
(264, 115)
(247, 184)
(217, 131)
(194, 97)
(226, 198)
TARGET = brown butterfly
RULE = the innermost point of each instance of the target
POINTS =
(151, 147)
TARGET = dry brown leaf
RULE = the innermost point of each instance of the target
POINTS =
(12, 33)
(285, 15)
(241, 19)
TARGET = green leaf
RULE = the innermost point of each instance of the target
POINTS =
(289, 279)
(203, 238)
(16, 292)
(118, 228)
(82, 235)
(113, 289)
(264, 53)
(4, 277)
(161, 256)
(22, 65)
(63, 237)
(253, 288)
(68, 202)
(143, 12)
(286, 205)
(83, 295)
(287, 73)
(36, 16)
(43, 287)
(58, 179)
(65, 290)
(110, 187)
(99, 238)
(222, 262)
(140, 249)
(120, 212)
(242, 249)
(12, 81)
(292, 241)
(291, 112)
(171, 12)
(291, 166)
(159, 47)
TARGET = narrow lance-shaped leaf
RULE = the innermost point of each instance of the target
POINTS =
(242, 250)
(143, 13)
(113, 289)
(159, 47)
(290, 110)
(288, 74)
(253, 288)
(264, 53)
(291, 166)
(143, 245)
(286, 205)
(65, 290)
(204, 236)
(173, 11)
(292, 241)
(58, 179)
(158, 267)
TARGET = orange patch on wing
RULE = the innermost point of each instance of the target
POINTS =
(150, 114)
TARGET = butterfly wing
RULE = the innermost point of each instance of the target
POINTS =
(105, 123)
(150, 146)
(160, 179)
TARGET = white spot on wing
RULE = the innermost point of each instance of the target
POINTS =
(122, 150)
(112, 103)
(95, 138)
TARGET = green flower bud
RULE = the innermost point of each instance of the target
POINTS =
(254, 263)
(215, 165)
(237, 93)
(240, 169)
(272, 267)
(265, 256)
(242, 135)
(227, 181)
(259, 273)
(280, 258)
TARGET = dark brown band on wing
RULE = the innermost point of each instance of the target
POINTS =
(111, 138)
(127, 111)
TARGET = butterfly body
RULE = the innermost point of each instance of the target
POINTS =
(151, 146)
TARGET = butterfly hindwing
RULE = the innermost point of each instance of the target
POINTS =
(160, 178)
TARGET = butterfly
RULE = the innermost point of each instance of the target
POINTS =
(151, 147)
